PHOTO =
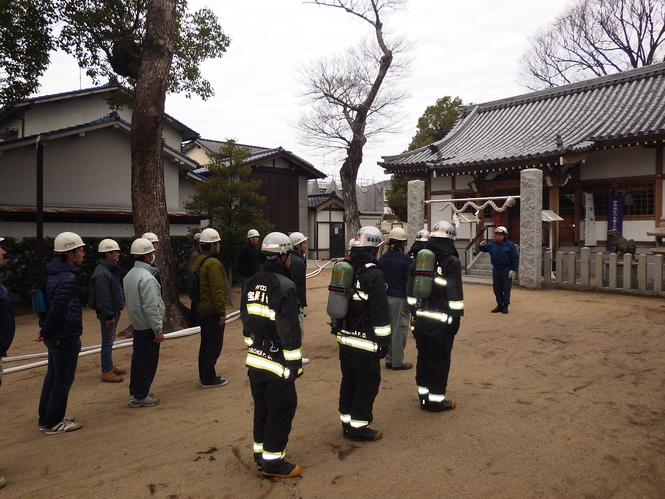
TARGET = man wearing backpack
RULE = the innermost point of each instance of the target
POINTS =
(364, 338)
(61, 332)
(211, 307)
(438, 319)
(106, 297)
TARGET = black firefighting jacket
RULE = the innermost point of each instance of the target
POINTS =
(367, 324)
(447, 299)
(269, 312)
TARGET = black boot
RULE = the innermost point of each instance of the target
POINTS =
(258, 461)
(423, 402)
(346, 429)
(446, 405)
(365, 434)
(499, 308)
(280, 468)
(504, 310)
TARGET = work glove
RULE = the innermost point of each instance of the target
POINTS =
(294, 372)
(382, 352)
(512, 274)
(483, 243)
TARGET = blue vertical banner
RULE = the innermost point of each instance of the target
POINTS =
(614, 215)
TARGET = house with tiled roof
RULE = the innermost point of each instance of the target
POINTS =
(86, 166)
(283, 175)
(598, 139)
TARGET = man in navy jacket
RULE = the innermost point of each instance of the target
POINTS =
(505, 260)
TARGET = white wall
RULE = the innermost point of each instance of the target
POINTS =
(614, 163)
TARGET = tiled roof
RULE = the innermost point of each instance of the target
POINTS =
(112, 117)
(261, 153)
(545, 125)
(315, 200)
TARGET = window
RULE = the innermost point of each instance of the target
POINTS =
(638, 198)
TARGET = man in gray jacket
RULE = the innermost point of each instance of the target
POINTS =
(107, 299)
(146, 311)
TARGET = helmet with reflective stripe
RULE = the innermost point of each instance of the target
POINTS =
(368, 237)
(276, 243)
(444, 229)
(141, 246)
(397, 234)
(107, 245)
(423, 235)
(209, 236)
(67, 241)
(501, 230)
(297, 238)
(151, 236)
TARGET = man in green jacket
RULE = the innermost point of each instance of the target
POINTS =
(146, 312)
(211, 308)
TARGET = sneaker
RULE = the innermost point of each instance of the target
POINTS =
(446, 405)
(63, 427)
(281, 469)
(497, 309)
(305, 360)
(149, 401)
(66, 420)
(111, 377)
(365, 434)
(217, 381)
(119, 370)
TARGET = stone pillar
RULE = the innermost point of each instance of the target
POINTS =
(559, 267)
(571, 268)
(547, 267)
(415, 213)
(585, 273)
(642, 272)
(627, 271)
(599, 270)
(658, 273)
(531, 222)
(613, 271)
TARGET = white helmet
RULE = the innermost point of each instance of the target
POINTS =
(209, 236)
(423, 235)
(397, 234)
(297, 238)
(444, 229)
(142, 246)
(276, 243)
(350, 245)
(368, 237)
(67, 241)
(108, 245)
(253, 233)
(501, 230)
(2, 239)
(150, 236)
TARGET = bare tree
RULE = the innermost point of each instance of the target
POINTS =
(352, 96)
(148, 192)
(596, 38)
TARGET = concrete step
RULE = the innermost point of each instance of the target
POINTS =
(475, 279)
(479, 272)
(483, 266)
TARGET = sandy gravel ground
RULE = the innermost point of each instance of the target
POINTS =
(564, 397)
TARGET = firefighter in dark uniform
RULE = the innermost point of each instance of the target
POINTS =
(438, 319)
(269, 311)
(363, 337)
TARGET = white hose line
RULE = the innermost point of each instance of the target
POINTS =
(233, 316)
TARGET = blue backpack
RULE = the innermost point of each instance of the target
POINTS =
(40, 302)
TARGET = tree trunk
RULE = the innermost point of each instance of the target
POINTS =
(148, 193)
(349, 175)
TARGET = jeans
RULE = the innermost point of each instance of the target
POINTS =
(63, 356)
(212, 339)
(108, 338)
(145, 358)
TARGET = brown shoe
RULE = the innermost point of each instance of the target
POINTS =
(111, 377)
(118, 370)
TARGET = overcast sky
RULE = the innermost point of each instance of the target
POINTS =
(469, 49)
